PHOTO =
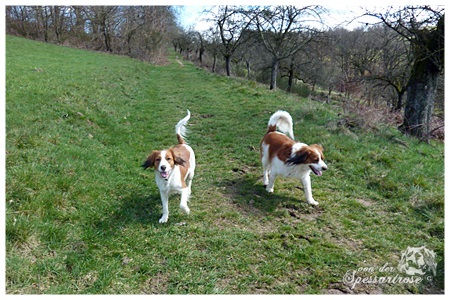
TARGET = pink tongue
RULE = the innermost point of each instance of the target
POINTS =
(164, 174)
(317, 172)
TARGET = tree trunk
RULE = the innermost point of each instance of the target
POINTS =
(291, 77)
(80, 22)
(422, 85)
(227, 64)
(45, 23)
(55, 21)
(274, 73)
(247, 64)
(107, 39)
(129, 36)
(214, 63)
(419, 107)
(106, 34)
(399, 103)
(200, 56)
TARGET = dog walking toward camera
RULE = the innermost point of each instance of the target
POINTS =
(281, 155)
(174, 170)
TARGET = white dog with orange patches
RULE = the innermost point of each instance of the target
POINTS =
(281, 155)
(174, 170)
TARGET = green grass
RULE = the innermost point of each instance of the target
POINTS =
(82, 216)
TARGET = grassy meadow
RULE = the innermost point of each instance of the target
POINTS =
(82, 215)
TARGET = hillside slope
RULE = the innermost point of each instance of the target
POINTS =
(82, 215)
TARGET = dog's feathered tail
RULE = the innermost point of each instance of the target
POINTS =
(283, 121)
(180, 128)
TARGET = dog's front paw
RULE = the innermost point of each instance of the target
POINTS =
(164, 219)
(269, 190)
(185, 208)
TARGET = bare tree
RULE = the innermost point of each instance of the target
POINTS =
(387, 66)
(103, 22)
(80, 21)
(279, 28)
(232, 23)
(423, 27)
(213, 46)
(18, 19)
(392, 65)
(199, 46)
(142, 31)
(186, 43)
(250, 52)
(57, 16)
(43, 20)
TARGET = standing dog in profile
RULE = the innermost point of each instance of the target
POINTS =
(281, 155)
(174, 170)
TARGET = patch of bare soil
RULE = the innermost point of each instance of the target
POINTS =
(156, 284)
(365, 202)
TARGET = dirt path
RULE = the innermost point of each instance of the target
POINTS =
(180, 62)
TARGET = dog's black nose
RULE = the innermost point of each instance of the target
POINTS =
(324, 168)
(163, 168)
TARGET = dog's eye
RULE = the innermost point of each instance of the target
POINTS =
(169, 159)
(158, 159)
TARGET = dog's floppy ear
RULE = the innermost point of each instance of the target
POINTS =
(176, 158)
(150, 162)
(299, 157)
(179, 161)
(318, 146)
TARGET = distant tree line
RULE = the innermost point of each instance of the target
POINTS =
(142, 32)
(397, 63)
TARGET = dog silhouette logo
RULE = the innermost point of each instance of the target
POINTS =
(417, 261)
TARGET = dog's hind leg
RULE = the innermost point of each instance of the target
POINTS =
(266, 166)
(266, 174)
(189, 182)
(271, 182)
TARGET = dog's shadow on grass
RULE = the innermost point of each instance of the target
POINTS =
(249, 194)
(245, 191)
(137, 207)
(141, 207)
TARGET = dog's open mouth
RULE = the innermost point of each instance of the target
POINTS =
(164, 174)
(315, 171)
